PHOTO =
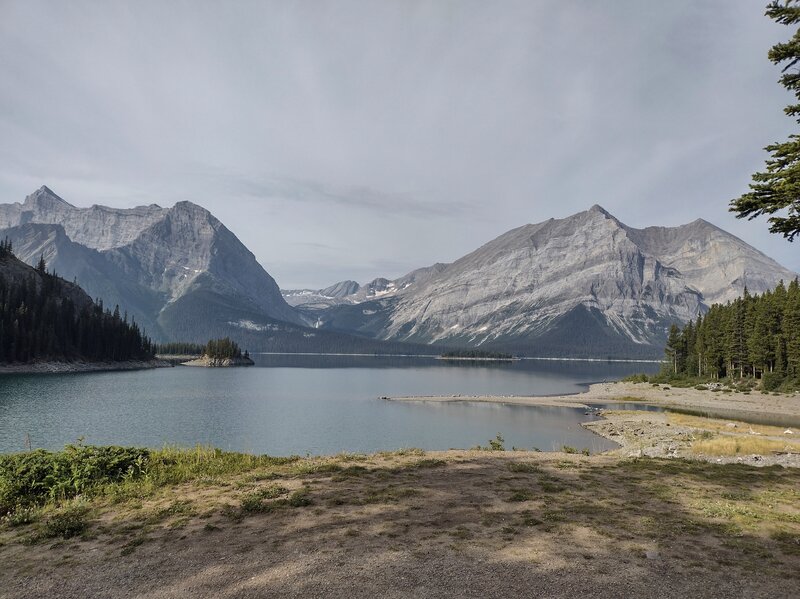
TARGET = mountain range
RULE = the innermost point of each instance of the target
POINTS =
(582, 285)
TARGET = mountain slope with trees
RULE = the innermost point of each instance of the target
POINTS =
(45, 318)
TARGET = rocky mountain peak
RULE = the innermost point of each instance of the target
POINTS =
(44, 198)
(597, 208)
(162, 264)
(193, 209)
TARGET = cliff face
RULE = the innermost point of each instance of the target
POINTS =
(587, 280)
(98, 227)
(149, 259)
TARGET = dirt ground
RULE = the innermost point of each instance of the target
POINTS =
(447, 524)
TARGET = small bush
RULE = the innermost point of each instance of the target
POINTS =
(520, 495)
(568, 449)
(300, 498)
(524, 467)
(636, 378)
(428, 463)
(771, 381)
(254, 501)
(21, 516)
(497, 444)
(67, 523)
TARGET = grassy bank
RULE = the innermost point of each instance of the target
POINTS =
(89, 518)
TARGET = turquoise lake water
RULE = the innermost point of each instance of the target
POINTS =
(303, 405)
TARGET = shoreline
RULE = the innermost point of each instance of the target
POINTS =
(79, 367)
(702, 403)
(206, 362)
(435, 356)
(687, 416)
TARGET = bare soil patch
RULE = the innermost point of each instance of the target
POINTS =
(446, 524)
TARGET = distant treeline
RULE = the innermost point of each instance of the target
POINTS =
(749, 337)
(39, 321)
(477, 354)
(179, 348)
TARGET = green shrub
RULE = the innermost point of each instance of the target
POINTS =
(636, 378)
(771, 381)
(520, 495)
(524, 467)
(300, 498)
(22, 516)
(67, 523)
(254, 501)
(35, 477)
(497, 444)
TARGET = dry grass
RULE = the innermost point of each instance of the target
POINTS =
(718, 438)
(727, 445)
(717, 425)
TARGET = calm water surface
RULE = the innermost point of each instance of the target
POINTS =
(302, 404)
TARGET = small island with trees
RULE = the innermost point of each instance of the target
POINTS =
(219, 353)
(477, 355)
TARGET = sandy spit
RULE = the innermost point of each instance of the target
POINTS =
(749, 407)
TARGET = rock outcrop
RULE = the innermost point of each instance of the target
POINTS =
(206, 362)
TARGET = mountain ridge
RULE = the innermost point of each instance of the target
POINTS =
(159, 255)
(588, 275)
(590, 267)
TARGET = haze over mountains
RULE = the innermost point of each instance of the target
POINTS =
(586, 285)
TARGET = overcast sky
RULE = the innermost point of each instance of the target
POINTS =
(349, 140)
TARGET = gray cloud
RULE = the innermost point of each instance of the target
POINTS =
(339, 139)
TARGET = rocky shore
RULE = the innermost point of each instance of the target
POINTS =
(755, 429)
(69, 367)
(207, 362)
(751, 407)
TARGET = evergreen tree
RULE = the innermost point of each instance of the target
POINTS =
(791, 330)
(748, 337)
(674, 348)
(41, 266)
(777, 189)
(39, 321)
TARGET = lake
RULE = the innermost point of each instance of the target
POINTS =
(303, 405)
